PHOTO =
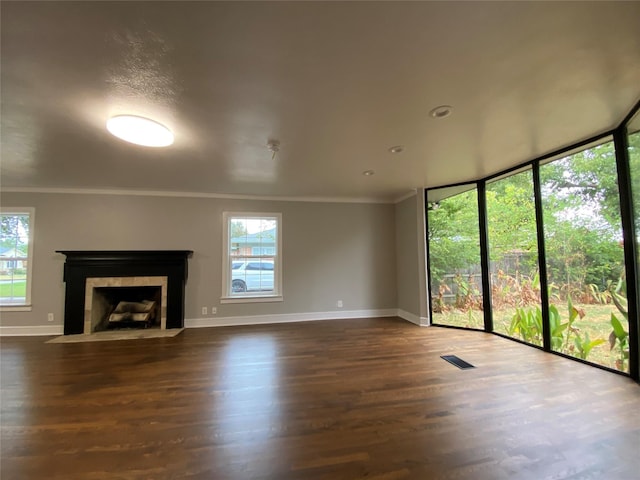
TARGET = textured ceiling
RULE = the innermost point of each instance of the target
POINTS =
(336, 83)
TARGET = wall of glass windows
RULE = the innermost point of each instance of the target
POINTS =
(513, 255)
(555, 242)
(454, 256)
(584, 253)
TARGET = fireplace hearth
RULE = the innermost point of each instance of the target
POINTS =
(98, 281)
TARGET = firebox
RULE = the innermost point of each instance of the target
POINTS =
(125, 302)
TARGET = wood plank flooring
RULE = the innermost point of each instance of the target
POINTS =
(345, 399)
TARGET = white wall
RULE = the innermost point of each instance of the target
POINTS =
(331, 251)
(410, 259)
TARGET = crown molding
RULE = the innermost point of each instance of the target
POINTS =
(158, 193)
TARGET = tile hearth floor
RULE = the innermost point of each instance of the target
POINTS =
(117, 335)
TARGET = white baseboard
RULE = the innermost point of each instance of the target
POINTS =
(410, 317)
(30, 331)
(47, 330)
(287, 318)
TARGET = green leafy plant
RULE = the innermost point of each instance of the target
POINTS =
(585, 345)
(617, 298)
(526, 323)
(557, 327)
(561, 332)
(620, 337)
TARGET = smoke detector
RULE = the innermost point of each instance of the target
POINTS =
(274, 147)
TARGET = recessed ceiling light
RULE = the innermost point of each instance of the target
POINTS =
(441, 112)
(397, 149)
(368, 173)
(140, 130)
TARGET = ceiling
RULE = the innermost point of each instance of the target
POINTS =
(337, 84)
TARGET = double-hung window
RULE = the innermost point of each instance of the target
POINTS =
(16, 258)
(252, 257)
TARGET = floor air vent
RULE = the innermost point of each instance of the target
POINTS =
(458, 362)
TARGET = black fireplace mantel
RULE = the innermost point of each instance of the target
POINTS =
(83, 264)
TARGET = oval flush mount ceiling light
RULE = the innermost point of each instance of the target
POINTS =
(368, 173)
(396, 149)
(140, 130)
(441, 112)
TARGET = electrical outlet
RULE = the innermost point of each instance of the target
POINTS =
(50, 317)
(214, 310)
(339, 304)
(204, 310)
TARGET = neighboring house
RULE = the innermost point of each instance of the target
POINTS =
(11, 259)
(261, 243)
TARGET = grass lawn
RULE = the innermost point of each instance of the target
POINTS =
(597, 322)
(16, 289)
(15, 276)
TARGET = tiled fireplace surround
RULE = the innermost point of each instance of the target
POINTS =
(84, 271)
(93, 316)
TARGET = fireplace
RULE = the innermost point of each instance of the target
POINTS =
(125, 302)
(135, 283)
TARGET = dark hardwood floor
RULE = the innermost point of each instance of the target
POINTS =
(316, 400)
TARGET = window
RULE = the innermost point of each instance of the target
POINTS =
(584, 254)
(454, 256)
(513, 254)
(586, 310)
(16, 253)
(252, 269)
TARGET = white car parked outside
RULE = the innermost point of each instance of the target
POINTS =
(252, 275)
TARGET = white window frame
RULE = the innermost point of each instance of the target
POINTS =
(250, 297)
(26, 306)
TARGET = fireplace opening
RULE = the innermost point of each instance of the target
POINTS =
(130, 307)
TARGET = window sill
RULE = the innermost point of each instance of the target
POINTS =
(252, 299)
(15, 308)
